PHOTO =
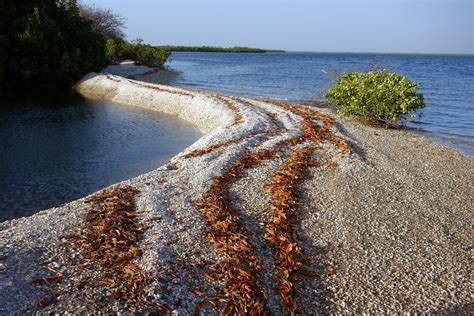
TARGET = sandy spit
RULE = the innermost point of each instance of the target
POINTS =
(386, 228)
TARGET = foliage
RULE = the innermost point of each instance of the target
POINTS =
(104, 21)
(153, 56)
(114, 50)
(236, 49)
(376, 96)
(46, 43)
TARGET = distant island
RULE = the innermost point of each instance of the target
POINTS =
(235, 49)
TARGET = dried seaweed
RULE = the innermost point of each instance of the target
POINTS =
(276, 128)
(280, 233)
(112, 78)
(109, 241)
(311, 131)
(42, 302)
(242, 293)
(211, 148)
(108, 244)
(271, 115)
(231, 105)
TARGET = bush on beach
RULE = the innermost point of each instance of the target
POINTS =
(152, 56)
(376, 96)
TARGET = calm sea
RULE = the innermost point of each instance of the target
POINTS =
(447, 82)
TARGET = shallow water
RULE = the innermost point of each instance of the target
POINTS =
(56, 149)
(447, 82)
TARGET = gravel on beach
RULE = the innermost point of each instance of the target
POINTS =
(386, 228)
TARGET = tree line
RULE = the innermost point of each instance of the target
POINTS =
(235, 49)
(52, 43)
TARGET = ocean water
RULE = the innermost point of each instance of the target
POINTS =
(447, 82)
(55, 149)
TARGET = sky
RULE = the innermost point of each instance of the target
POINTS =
(390, 26)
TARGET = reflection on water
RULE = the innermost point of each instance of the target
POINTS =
(54, 149)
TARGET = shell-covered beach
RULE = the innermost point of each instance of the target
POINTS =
(278, 208)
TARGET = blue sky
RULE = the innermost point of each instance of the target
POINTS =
(394, 26)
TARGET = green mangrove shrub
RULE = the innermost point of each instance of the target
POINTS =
(153, 56)
(376, 96)
(46, 44)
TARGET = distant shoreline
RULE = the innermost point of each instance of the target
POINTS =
(215, 49)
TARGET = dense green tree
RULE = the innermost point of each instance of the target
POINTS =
(153, 56)
(46, 43)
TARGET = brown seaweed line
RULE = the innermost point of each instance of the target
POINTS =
(238, 119)
(242, 292)
(108, 244)
(280, 233)
(276, 129)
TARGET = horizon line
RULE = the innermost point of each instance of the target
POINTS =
(385, 53)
